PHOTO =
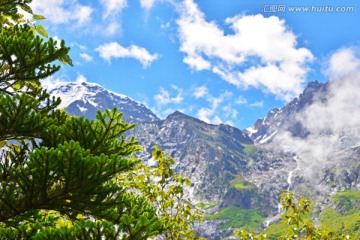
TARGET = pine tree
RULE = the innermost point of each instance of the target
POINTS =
(58, 172)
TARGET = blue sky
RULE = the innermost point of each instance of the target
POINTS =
(222, 61)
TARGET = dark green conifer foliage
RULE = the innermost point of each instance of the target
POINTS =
(57, 172)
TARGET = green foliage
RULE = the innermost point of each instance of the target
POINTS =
(71, 171)
(301, 227)
(276, 230)
(165, 190)
(9, 11)
(239, 218)
(25, 59)
(65, 177)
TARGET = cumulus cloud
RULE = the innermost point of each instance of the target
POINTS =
(334, 123)
(115, 50)
(61, 11)
(147, 4)
(262, 52)
(341, 110)
(113, 7)
(342, 62)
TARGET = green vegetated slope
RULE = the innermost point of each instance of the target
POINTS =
(244, 217)
(235, 217)
(346, 216)
(205, 206)
(341, 216)
(249, 149)
(240, 184)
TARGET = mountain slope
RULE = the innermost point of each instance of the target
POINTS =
(211, 155)
(216, 158)
(231, 170)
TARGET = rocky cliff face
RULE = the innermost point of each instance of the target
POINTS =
(205, 153)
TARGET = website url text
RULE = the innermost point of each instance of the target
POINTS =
(278, 8)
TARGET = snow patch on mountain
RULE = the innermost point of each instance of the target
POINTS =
(85, 98)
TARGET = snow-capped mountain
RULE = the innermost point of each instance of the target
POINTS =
(204, 152)
(232, 168)
(85, 99)
(214, 157)
(287, 118)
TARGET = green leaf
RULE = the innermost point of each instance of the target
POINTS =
(66, 60)
(17, 86)
(41, 30)
(3, 143)
(38, 17)
(26, 8)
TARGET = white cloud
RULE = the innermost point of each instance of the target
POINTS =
(61, 11)
(211, 114)
(257, 104)
(111, 29)
(341, 109)
(113, 7)
(229, 111)
(81, 78)
(198, 63)
(86, 57)
(219, 109)
(240, 100)
(147, 4)
(82, 47)
(164, 98)
(165, 25)
(261, 52)
(115, 50)
(204, 114)
(343, 62)
(200, 92)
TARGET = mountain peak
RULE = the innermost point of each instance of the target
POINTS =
(278, 120)
(177, 113)
(85, 99)
(313, 88)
